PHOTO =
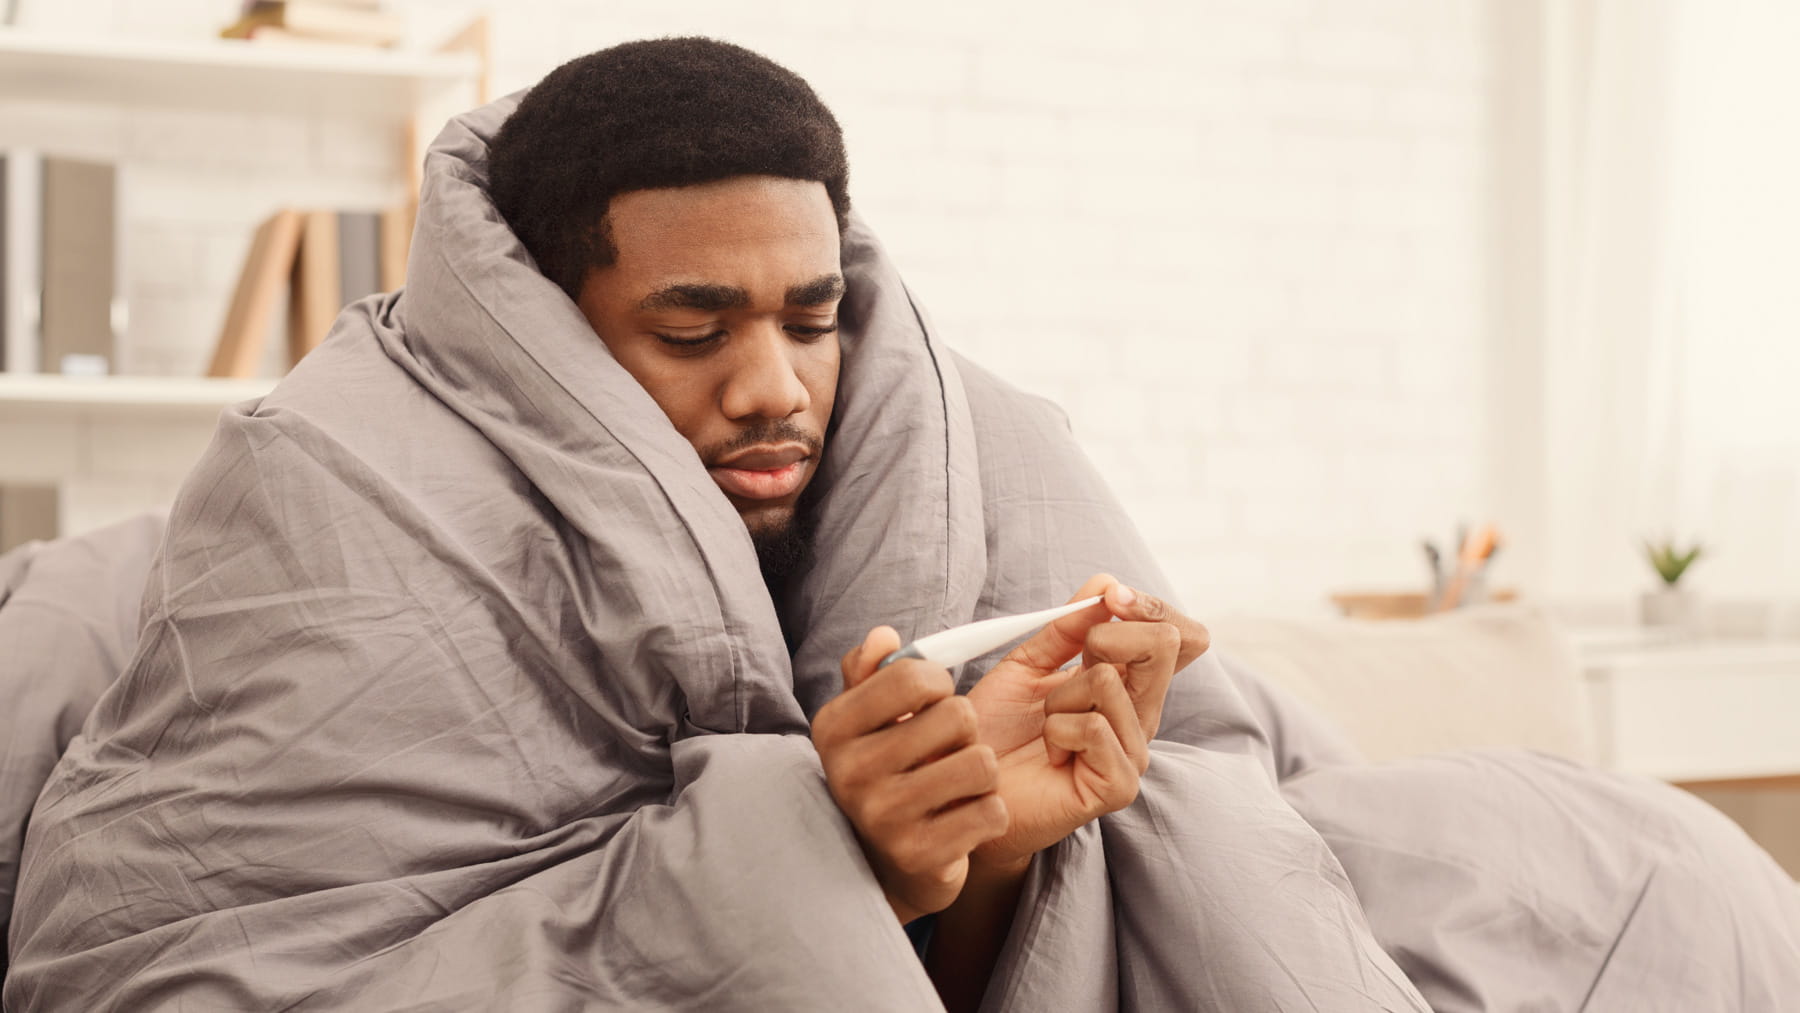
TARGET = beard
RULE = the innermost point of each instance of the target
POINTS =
(783, 539)
(784, 544)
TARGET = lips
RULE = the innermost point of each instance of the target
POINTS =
(763, 472)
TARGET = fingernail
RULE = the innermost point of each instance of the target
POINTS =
(1123, 595)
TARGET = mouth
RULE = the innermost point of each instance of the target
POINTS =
(763, 473)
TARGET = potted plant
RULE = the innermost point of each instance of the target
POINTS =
(1669, 606)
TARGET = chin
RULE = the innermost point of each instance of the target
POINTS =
(767, 519)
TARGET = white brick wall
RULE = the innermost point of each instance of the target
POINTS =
(1243, 242)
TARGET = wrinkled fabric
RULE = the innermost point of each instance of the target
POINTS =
(1506, 880)
(68, 622)
(458, 687)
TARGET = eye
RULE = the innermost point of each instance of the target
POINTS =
(810, 334)
(689, 344)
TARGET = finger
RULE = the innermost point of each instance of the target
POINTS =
(938, 730)
(860, 661)
(1051, 647)
(967, 825)
(892, 810)
(1145, 654)
(938, 845)
(1113, 783)
(1101, 689)
(881, 698)
(1131, 605)
(967, 773)
(1073, 696)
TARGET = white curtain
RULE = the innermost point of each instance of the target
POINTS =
(1672, 284)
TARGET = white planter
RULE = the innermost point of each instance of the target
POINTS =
(1670, 608)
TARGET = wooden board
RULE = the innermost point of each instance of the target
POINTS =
(265, 276)
(317, 295)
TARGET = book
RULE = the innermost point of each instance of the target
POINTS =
(396, 243)
(266, 274)
(323, 261)
(316, 297)
(338, 263)
(27, 514)
(80, 266)
(60, 292)
(359, 255)
(367, 25)
(21, 259)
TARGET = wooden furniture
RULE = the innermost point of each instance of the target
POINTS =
(1398, 604)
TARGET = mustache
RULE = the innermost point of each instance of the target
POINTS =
(770, 431)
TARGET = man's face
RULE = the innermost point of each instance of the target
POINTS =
(722, 302)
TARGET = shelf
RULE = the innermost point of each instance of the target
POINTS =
(35, 397)
(228, 75)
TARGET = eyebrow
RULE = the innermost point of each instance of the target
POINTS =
(817, 292)
(707, 298)
(713, 298)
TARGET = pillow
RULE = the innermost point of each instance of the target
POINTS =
(1494, 675)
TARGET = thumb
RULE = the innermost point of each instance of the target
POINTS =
(860, 662)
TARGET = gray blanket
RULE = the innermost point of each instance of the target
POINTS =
(68, 621)
(458, 687)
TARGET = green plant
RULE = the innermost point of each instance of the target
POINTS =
(1669, 561)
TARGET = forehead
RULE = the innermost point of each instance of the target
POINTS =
(743, 231)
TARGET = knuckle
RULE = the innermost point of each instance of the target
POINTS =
(847, 768)
(987, 765)
(926, 683)
(1107, 678)
(824, 723)
(1126, 795)
(1093, 726)
(1099, 637)
(862, 815)
(994, 814)
(877, 819)
(910, 854)
(963, 713)
(989, 820)
(853, 782)
(1168, 638)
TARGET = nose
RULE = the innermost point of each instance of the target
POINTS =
(763, 382)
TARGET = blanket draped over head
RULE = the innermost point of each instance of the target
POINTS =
(459, 687)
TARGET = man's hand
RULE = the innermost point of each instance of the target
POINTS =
(1072, 744)
(901, 758)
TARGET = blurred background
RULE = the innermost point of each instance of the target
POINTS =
(1314, 281)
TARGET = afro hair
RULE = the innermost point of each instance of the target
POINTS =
(648, 115)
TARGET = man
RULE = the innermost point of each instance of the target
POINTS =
(711, 273)
(460, 685)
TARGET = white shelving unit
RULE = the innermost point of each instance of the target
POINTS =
(43, 397)
(228, 75)
(116, 445)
